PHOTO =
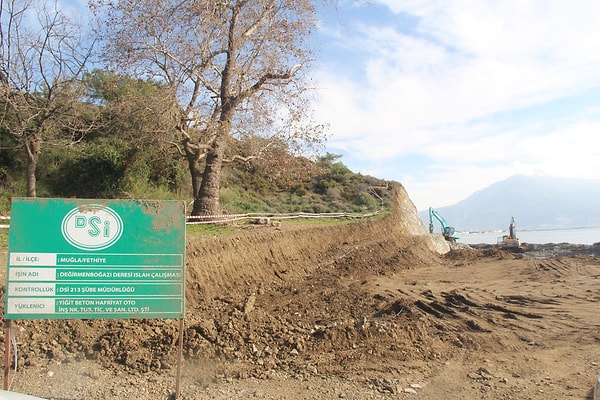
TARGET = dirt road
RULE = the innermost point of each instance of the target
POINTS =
(365, 310)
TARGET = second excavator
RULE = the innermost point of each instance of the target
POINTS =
(450, 234)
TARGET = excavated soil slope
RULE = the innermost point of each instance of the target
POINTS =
(259, 256)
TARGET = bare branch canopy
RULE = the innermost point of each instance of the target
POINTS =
(237, 67)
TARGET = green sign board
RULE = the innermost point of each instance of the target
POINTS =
(81, 258)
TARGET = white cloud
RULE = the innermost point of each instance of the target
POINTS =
(570, 152)
(437, 91)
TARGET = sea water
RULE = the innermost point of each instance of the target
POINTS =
(573, 235)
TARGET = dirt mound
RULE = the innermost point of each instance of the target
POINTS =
(545, 250)
(472, 255)
(275, 255)
(253, 297)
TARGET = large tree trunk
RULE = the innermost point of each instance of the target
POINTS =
(32, 147)
(207, 202)
(193, 156)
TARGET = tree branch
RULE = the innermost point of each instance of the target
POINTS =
(267, 78)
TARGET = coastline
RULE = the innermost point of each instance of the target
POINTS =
(585, 236)
(547, 250)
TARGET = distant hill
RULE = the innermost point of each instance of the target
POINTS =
(535, 202)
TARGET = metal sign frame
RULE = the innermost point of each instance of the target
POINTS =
(77, 258)
(87, 259)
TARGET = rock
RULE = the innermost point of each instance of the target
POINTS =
(385, 386)
(312, 369)
(474, 375)
(363, 323)
(485, 373)
(208, 329)
(249, 304)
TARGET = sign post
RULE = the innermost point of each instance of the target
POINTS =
(80, 258)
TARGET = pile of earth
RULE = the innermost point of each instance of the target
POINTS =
(545, 250)
(264, 298)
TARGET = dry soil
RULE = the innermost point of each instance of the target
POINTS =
(361, 310)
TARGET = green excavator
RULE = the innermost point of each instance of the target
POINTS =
(450, 234)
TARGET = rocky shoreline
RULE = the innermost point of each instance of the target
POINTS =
(536, 250)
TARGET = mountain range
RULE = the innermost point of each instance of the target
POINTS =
(535, 202)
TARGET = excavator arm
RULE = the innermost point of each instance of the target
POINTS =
(449, 232)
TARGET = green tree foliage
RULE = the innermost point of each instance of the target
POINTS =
(95, 171)
(332, 173)
(237, 69)
(129, 153)
(137, 124)
(226, 102)
(42, 58)
(256, 187)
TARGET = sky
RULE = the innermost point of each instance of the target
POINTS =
(450, 96)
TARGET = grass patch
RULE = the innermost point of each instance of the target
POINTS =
(3, 238)
(224, 229)
(208, 230)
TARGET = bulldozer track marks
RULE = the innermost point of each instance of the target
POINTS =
(514, 303)
(507, 311)
(455, 305)
(435, 308)
(526, 301)
(458, 299)
(565, 266)
(557, 266)
(455, 311)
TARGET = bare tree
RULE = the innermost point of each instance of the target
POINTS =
(236, 68)
(42, 58)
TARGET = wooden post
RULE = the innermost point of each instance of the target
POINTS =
(179, 358)
(7, 355)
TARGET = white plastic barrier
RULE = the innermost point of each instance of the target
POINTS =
(4, 395)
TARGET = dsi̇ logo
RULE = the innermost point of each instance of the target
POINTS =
(92, 227)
